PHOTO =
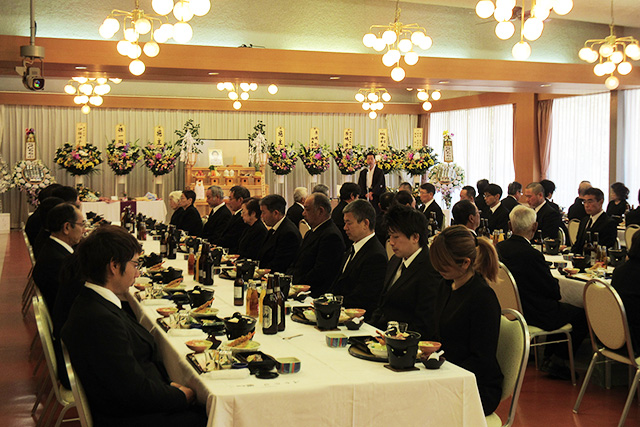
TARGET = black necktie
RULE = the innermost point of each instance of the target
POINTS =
(270, 232)
(350, 254)
(589, 223)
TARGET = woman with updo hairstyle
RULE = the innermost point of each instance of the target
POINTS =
(174, 204)
(618, 196)
(467, 309)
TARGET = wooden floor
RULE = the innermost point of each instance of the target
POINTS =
(543, 402)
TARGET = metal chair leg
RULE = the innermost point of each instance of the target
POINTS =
(571, 364)
(585, 383)
(627, 405)
(45, 410)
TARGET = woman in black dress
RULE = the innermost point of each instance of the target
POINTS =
(467, 309)
(174, 204)
(618, 196)
(253, 236)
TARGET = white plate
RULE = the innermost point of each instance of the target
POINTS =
(210, 311)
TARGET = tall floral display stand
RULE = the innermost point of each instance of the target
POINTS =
(189, 144)
(78, 159)
(447, 177)
(160, 158)
(418, 158)
(315, 157)
(349, 158)
(122, 157)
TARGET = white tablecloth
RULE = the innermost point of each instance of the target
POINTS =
(111, 210)
(571, 290)
(332, 387)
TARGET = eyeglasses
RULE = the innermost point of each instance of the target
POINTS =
(137, 264)
(81, 224)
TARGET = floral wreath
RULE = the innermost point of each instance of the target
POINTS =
(31, 188)
(349, 160)
(78, 160)
(6, 181)
(390, 159)
(188, 140)
(446, 177)
(315, 160)
(418, 161)
(160, 159)
(282, 160)
(122, 158)
(87, 195)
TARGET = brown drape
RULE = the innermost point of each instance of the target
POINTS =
(423, 122)
(544, 135)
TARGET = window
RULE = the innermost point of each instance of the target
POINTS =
(632, 143)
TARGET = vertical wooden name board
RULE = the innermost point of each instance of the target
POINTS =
(314, 138)
(280, 137)
(30, 145)
(417, 138)
(81, 134)
(121, 137)
(158, 135)
(383, 139)
(347, 141)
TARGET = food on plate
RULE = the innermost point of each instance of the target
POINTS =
(428, 347)
(354, 312)
(241, 342)
(199, 345)
(571, 270)
(377, 349)
(167, 311)
(597, 266)
(157, 267)
(204, 308)
(174, 283)
(254, 358)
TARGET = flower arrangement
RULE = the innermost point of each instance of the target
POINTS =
(160, 159)
(188, 141)
(282, 160)
(350, 160)
(390, 160)
(78, 159)
(6, 181)
(315, 160)
(417, 162)
(87, 195)
(123, 158)
(257, 143)
(31, 176)
(446, 177)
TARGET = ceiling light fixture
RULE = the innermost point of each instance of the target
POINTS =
(612, 53)
(240, 91)
(397, 39)
(89, 90)
(371, 99)
(423, 95)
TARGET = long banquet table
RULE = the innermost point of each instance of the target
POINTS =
(332, 388)
(571, 289)
(155, 209)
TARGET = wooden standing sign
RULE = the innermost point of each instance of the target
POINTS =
(417, 138)
(121, 137)
(383, 139)
(30, 146)
(158, 135)
(314, 138)
(81, 134)
(280, 137)
(347, 141)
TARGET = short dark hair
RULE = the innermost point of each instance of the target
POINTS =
(462, 210)
(253, 206)
(190, 195)
(349, 189)
(45, 207)
(593, 191)
(493, 189)
(321, 188)
(481, 185)
(361, 210)
(387, 197)
(274, 202)
(470, 190)
(620, 190)
(59, 215)
(405, 184)
(549, 187)
(408, 221)
(321, 201)
(107, 243)
(47, 191)
(403, 198)
(513, 188)
(429, 187)
(66, 193)
(240, 192)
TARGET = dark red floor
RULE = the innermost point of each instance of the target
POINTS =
(543, 401)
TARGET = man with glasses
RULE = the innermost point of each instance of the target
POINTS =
(549, 219)
(596, 221)
(231, 235)
(496, 214)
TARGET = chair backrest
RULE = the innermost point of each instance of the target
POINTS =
(561, 236)
(574, 224)
(304, 227)
(387, 246)
(629, 232)
(82, 404)
(506, 290)
(512, 355)
(607, 317)
(44, 325)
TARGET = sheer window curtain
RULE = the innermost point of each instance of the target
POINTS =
(482, 142)
(632, 143)
(579, 145)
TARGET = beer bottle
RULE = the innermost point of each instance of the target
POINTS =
(280, 300)
(172, 244)
(191, 262)
(252, 300)
(238, 290)
(435, 227)
(270, 309)
(163, 245)
(208, 268)
(586, 249)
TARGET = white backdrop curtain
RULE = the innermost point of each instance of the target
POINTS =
(482, 142)
(632, 143)
(579, 145)
(55, 125)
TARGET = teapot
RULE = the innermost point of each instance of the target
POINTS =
(551, 246)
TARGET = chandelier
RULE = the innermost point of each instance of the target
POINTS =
(423, 95)
(137, 23)
(531, 21)
(397, 39)
(612, 53)
(240, 91)
(371, 100)
(89, 90)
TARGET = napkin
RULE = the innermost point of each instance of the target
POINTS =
(153, 302)
(186, 333)
(227, 374)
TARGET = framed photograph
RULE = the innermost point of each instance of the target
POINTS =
(215, 157)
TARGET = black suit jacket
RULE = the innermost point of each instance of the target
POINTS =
(509, 203)
(576, 210)
(117, 361)
(294, 213)
(319, 258)
(498, 220)
(46, 272)
(633, 217)
(625, 281)
(606, 228)
(549, 221)
(378, 185)
(382, 233)
(175, 217)
(33, 225)
(280, 247)
(190, 221)
(412, 298)
(231, 235)
(362, 280)
(216, 224)
(433, 207)
(41, 239)
(539, 290)
(338, 219)
(252, 240)
(480, 203)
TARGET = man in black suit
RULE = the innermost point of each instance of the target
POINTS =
(371, 181)
(36, 220)
(283, 239)
(497, 215)
(538, 289)
(43, 236)
(66, 224)
(411, 283)
(294, 213)
(349, 191)
(549, 189)
(363, 266)
(190, 220)
(596, 221)
(231, 235)
(427, 191)
(633, 216)
(514, 192)
(576, 210)
(219, 216)
(479, 200)
(548, 219)
(625, 281)
(115, 358)
(466, 213)
(382, 234)
(468, 193)
(318, 261)
(253, 236)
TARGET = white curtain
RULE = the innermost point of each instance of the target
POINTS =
(482, 142)
(56, 125)
(579, 145)
(632, 143)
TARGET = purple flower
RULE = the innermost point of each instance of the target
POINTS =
(317, 156)
(158, 156)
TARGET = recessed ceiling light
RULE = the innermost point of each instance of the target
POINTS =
(443, 82)
(81, 68)
(334, 78)
(213, 74)
(409, 89)
(546, 85)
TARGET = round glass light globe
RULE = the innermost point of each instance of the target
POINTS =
(373, 106)
(426, 106)
(151, 49)
(83, 99)
(76, 99)
(533, 29)
(608, 67)
(220, 86)
(162, 7)
(112, 24)
(624, 68)
(105, 32)
(379, 45)
(387, 60)
(86, 89)
(585, 54)
(143, 26)
(502, 14)
(253, 86)
(233, 96)
(386, 97)
(160, 36)
(366, 106)
(632, 51)
(373, 115)
(272, 89)
(101, 80)
(359, 97)
(562, 7)
(540, 12)
(389, 37)
(228, 85)
(436, 95)
(102, 89)
(136, 67)
(200, 7)
(237, 105)
(69, 89)
(545, 4)
(244, 96)
(379, 106)
(598, 70)
(370, 96)
(395, 55)
(484, 8)
(369, 39)
(96, 100)
(182, 32)
(606, 50)
(422, 95)
(115, 80)
(244, 86)
(411, 58)
(131, 35)
(417, 37)
(521, 51)
(405, 45)
(505, 4)
(612, 82)
(616, 57)
(85, 109)
(505, 29)
(134, 51)
(397, 74)
(426, 43)
(182, 11)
